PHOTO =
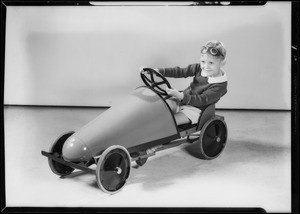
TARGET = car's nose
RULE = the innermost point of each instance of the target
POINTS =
(75, 150)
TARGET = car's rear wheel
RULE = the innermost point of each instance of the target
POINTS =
(212, 139)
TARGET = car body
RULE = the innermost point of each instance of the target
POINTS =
(133, 130)
(141, 118)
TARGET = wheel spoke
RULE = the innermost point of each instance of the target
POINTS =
(160, 83)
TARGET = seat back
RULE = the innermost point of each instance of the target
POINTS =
(207, 113)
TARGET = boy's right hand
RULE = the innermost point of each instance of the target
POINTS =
(175, 93)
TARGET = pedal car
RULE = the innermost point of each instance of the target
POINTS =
(132, 131)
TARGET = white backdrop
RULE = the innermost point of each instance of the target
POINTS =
(90, 55)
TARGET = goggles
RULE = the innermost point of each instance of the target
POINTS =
(212, 50)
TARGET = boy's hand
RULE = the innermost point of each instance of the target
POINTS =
(173, 92)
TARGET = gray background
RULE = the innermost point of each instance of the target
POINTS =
(90, 56)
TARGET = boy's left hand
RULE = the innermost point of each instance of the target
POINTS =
(174, 92)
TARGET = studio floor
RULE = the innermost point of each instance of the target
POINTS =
(254, 169)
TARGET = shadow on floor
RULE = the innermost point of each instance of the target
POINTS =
(165, 170)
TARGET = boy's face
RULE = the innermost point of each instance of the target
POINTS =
(210, 65)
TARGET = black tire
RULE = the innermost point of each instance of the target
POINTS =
(113, 169)
(56, 149)
(212, 139)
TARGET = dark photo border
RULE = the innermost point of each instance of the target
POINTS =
(294, 121)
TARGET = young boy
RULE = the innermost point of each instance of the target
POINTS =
(208, 86)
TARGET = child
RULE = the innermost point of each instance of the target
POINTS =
(208, 86)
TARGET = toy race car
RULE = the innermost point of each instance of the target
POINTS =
(132, 131)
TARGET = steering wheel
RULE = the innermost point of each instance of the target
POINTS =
(154, 83)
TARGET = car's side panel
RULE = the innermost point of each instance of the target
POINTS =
(142, 117)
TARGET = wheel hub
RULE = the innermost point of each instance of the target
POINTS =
(118, 170)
